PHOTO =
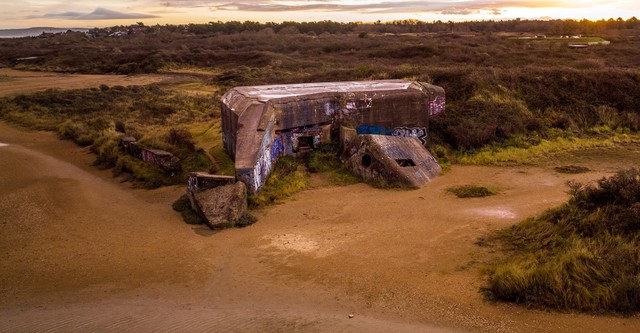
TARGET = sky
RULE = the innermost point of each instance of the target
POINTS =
(103, 13)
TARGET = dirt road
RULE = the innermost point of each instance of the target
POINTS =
(80, 250)
(18, 82)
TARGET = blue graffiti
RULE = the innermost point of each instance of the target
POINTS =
(278, 147)
(378, 130)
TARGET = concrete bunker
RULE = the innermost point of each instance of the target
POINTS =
(391, 160)
(260, 123)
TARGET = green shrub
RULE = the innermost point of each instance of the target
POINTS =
(571, 169)
(287, 178)
(583, 255)
(80, 133)
(470, 191)
(325, 159)
(442, 156)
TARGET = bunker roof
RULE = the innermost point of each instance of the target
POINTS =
(266, 93)
(239, 99)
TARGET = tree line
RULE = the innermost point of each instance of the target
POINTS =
(562, 27)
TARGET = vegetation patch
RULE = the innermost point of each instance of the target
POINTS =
(158, 118)
(571, 169)
(583, 255)
(531, 154)
(288, 177)
(470, 191)
(325, 159)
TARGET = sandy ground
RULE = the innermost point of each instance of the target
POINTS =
(81, 251)
(14, 82)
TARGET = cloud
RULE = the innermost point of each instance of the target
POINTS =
(461, 7)
(97, 14)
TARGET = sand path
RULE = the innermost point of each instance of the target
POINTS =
(14, 82)
(81, 251)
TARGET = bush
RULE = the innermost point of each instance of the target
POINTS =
(180, 137)
(583, 255)
(287, 178)
(470, 191)
(325, 159)
(571, 169)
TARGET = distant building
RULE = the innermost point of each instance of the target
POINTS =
(260, 123)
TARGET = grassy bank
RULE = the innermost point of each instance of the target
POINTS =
(583, 255)
(157, 117)
(532, 153)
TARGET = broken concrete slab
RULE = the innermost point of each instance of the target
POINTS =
(200, 181)
(223, 205)
(391, 160)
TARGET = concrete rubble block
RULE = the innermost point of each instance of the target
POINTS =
(222, 205)
(200, 181)
(391, 160)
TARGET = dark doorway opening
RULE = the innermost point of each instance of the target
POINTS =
(405, 162)
(305, 143)
(366, 160)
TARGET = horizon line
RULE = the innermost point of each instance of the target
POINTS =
(337, 21)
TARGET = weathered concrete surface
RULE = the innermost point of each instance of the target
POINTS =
(169, 163)
(262, 122)
(391, 160)
(200, 181)
(222, 205)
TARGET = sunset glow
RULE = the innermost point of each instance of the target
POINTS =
(30, 13)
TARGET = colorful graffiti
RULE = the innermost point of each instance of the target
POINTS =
(295, 139)
(377, 130)
(192, 184)
(416, 132)
(436, 106)
(169, 163)
(347, 107)
(264, 162)
(278, 145)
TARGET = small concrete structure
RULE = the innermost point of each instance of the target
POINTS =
(169, 163)
(391, 160)
(262, 122)
(200, 181)
(222, 206)
(220, 200)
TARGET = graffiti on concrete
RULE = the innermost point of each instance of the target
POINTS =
(261, 123)
(304, 137)
(436, 106)
(416, 132)
(264, 161)
(377, 130)
(278, 145)
(164, 159)
(345, 107)
(192, 184)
